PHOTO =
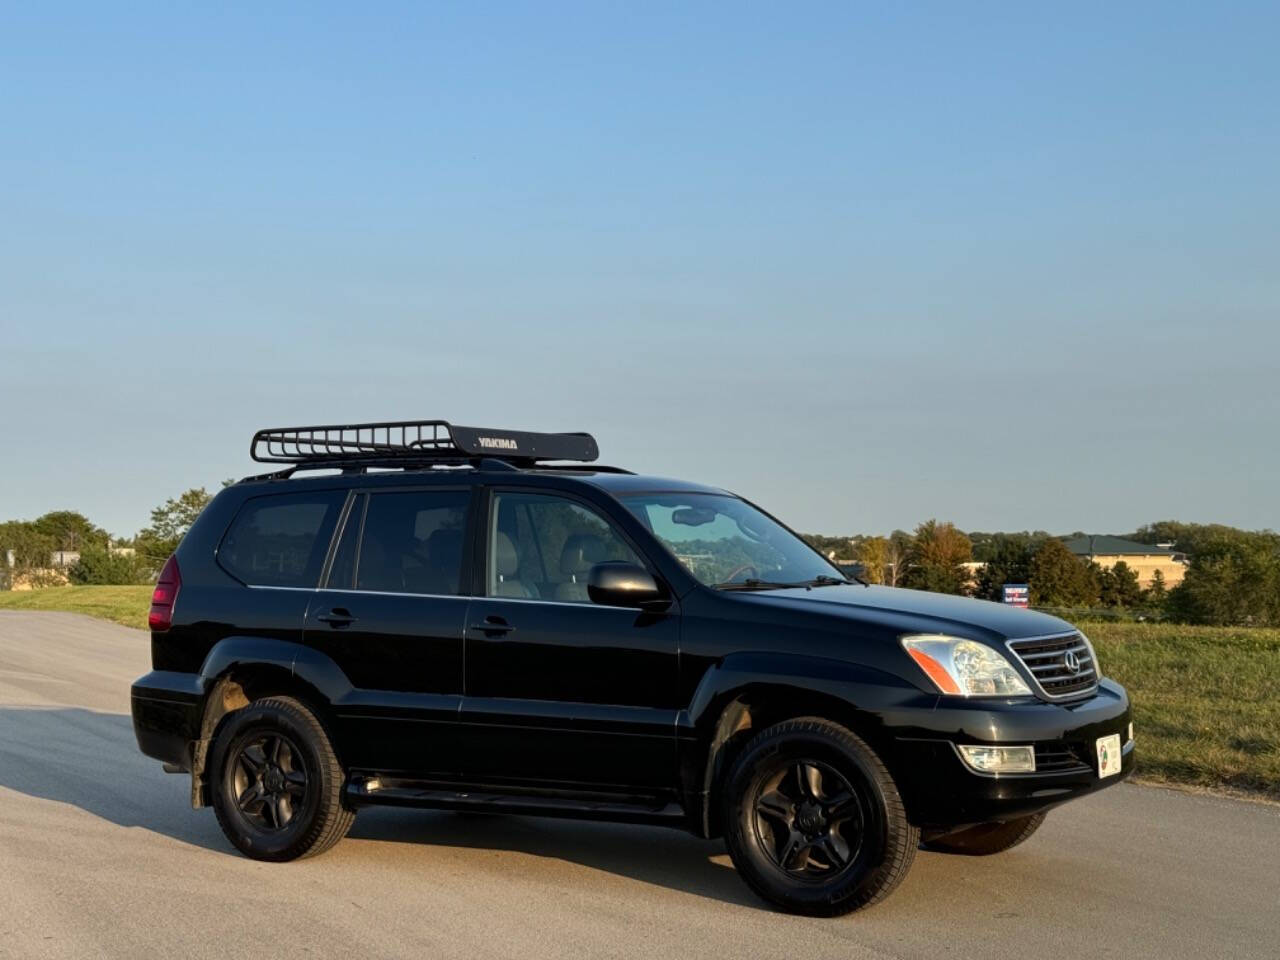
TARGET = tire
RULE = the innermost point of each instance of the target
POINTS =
(276, 754)
(813, 820)
(988, 838)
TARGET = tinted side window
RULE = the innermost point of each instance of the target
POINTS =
(412, 542)
(281, 540)
(543, 547)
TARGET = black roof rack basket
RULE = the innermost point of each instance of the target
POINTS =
(401, 442)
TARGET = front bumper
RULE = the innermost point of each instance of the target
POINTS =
(942, 793)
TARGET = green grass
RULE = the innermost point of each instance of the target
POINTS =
(125, 605)
(1206, 701)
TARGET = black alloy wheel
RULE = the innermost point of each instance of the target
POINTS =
(276, 782)
(270, 781)
(809, 818)
(813, 820)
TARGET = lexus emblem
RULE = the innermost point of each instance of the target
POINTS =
(1071, 662)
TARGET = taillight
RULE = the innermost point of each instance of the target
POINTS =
(164, 595)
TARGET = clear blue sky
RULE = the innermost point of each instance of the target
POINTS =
(1009, 265)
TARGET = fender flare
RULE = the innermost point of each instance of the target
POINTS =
(302, 662)
(716, 711)
(230, 654)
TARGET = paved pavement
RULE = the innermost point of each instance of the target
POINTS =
(100, 856)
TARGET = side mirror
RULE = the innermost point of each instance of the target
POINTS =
(619, 584)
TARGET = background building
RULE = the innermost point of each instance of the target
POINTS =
(1143, 558)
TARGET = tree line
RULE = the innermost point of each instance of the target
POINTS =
(1232, 577)
(27, 547)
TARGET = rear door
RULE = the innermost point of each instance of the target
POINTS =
(391, 614)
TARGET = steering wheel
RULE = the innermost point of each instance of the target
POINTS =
(732, 578)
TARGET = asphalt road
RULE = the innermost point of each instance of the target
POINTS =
(100, 856)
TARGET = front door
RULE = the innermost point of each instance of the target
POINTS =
(391, 616)
(560, 689)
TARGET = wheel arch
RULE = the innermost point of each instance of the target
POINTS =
(241, 670)
(745, 695)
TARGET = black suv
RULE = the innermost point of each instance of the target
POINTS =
(473, 619)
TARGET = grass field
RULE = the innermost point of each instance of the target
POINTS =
(126, 605)
(1206, 699)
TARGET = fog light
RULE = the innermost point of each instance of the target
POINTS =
(1131, 731)
(1000, 759)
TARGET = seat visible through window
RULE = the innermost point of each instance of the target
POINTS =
(581, 552)
(506, 563)
(543, 546)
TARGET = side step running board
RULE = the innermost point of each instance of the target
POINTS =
(374, 791)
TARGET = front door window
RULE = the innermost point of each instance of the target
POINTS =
(543, 547)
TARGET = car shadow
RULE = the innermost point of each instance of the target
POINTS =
(91, 761)
(661, 856)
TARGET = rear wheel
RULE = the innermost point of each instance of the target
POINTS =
(814, 822)
(276, 782)
(988, 838)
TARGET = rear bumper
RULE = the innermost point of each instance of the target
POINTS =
(167, 709)
(942, 793)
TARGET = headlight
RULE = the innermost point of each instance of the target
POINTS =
(964, 668)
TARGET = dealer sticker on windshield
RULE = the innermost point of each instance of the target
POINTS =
(1108, 755)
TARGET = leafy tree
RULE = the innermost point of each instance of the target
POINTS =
(97, 564)
(1008, 560)
(1196, 538)
(899, 557)
(68, 530)
(873, 555)
(939, 552)
(1119, 586)
(1157, 593)
(829, 546)
(1233, 579)
(1060, 579)
(30, 547)
(31, 551)
(988, 546)
(169, 523)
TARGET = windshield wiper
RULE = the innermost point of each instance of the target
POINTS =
(754, 584)
(823, 580)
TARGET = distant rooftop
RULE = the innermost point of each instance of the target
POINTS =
(1115, 546)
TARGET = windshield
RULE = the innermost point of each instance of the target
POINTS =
(726, 542)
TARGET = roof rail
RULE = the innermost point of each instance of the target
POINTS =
(415, 442)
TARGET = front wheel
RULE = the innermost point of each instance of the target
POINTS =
(988, 838)
(277, 784)
(813, 820)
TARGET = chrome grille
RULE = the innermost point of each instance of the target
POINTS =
(1048, 657)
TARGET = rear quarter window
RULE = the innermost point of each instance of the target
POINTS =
(281, 540)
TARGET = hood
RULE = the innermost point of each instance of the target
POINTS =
(915, 611)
